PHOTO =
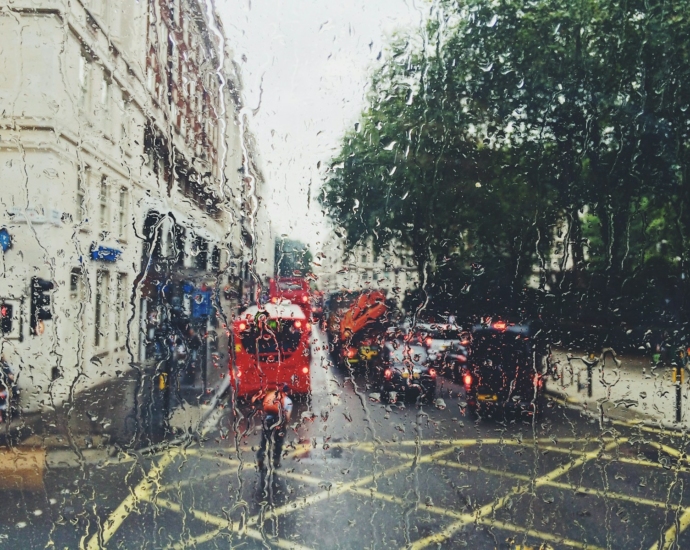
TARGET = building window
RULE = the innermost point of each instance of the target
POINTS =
(180, 236)
(215, 258)
(106, 111)
(122, 214)
(201, 246)
(85, 62)
(103, 203)
(82, 185)
(101, 308)
(76, 288)
(120, 307)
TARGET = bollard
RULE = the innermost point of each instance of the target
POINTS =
(590, 375)
(678, 377)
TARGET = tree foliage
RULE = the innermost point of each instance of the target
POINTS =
(508, 129)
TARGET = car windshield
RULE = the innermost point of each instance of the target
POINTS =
(283, 285)
(403, 354)
(283, 336)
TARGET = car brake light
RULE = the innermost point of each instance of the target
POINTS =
(351, 352)
(274, 300)
(500, 325)
(432, 373)
(305, 370)
(428, 341)
(467, 379)
(387, 374)
(305, 298)
(243, 326)
(298, 324)
(307, 326)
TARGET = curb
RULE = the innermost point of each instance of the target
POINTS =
(64, 457)
(189, 436)
(576, 404)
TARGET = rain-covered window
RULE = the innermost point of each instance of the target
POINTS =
(394, 274)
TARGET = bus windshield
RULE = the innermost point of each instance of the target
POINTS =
(283, 338)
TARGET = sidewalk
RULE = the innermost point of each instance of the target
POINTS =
(624, 388)
(131, 412)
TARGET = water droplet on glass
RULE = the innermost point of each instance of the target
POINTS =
(493, 21)
(465, 289)
(487, 68)
(390, 146)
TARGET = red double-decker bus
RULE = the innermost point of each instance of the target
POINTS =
(271, 349)
(292, 289)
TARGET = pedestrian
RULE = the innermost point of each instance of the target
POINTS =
(194, 346)
(277, 409)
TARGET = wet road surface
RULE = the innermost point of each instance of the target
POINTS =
(361, 474)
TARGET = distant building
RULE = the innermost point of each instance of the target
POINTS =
(120, 171)
(392, 269)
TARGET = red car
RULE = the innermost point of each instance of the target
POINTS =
(271, 349)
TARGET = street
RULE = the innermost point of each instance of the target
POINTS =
(360, 474)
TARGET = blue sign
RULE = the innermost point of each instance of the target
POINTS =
(5, 239)
(187, 288)
(105, 254)
(201, 303)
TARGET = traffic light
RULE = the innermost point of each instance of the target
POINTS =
(6, 311)
(40, 303)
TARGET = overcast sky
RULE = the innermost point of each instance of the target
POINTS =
(313, 59)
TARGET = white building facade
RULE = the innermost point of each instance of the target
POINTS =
(117, 148)
(391, 269)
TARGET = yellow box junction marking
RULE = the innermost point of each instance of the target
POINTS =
(487, 509)
(144, 492)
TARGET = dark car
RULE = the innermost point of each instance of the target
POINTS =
(447, 347)
(506, 369)
(406, 370)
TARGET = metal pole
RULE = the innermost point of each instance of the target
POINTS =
(590, 380)
(677, 380)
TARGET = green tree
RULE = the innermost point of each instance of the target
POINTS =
(503, 122)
